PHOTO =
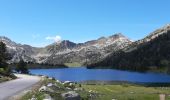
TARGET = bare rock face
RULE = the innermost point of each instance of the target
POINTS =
(67, 51)
(88, 52)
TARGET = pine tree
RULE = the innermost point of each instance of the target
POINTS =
(4, 56)
(22, 67)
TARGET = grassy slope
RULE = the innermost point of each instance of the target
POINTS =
(4, 76)
(108, 92)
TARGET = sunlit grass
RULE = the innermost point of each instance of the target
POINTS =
(131, 92)
(73, 64)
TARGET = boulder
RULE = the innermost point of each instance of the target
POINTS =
(58, 81)
(43, 88)
(67, 82)
(33, 98)
(46, 89)
(47, 97)
(78, 89)
(43, 76)
(50, 84)
(54, 87)
(51, 78)
(68, 88)
(71, 95)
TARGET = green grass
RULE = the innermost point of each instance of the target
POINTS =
(129, 92)
(29, 95)
(40, 95)
(73, 64)
(3, 79)
(124, 91)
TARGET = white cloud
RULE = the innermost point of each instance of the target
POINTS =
(55, 38)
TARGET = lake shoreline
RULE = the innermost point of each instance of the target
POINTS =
(82, 74)
(147, 84)
(40, 66)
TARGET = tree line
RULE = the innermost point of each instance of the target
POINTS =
(155, 53)
(21, 66)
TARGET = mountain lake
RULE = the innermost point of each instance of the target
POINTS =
(81, 74)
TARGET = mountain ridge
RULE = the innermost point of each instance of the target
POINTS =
(151, 51)
(65, 51)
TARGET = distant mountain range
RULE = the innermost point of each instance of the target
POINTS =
(152, 51)
(67, 51)
(115, 51)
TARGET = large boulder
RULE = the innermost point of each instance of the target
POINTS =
(43, 88)
(47, 97)
(50, 84)
(71, 95)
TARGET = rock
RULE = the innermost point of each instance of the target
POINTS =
(33, 98)
(90, 91)
(54, 87)
(47, 97)
(71, 84)
(68, 88)
(46, 89)
(131, 92)
(43, 88)
(78, 89)
(67, 82)
(71, 95)
(51, 78)
(43, 76)
(58, 81)
(49, 84)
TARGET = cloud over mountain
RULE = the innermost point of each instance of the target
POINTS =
(54, 38)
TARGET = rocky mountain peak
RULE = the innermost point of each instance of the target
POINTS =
(117, 35)
(66, 44)
(66, 51)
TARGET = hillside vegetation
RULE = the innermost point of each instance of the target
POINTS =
(5, 71)
(154, 53)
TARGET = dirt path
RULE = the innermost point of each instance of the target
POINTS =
(11, 88)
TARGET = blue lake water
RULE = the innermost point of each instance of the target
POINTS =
(83, 74)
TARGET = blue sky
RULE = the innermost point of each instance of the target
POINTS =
(37, 22)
